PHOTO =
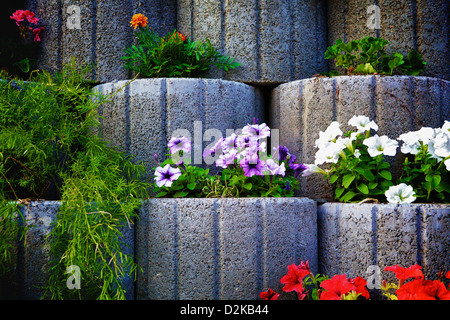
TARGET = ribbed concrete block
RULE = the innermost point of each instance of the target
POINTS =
(32, 261)
(398, 104)
(276, 41)
(96, 32)
(420, 25)
(354, 237)
(142, 117)
(194, 249)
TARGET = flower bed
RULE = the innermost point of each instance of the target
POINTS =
(143, 117)
(301, 109)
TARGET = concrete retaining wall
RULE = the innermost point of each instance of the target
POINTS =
(96, 31)
(276, 41)
(221, 248)
(142, 117)
(30, 274)
(354, 237)
(398, 104)
(419, 25)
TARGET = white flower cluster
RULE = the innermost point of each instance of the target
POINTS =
(437, 141)
(331, 145)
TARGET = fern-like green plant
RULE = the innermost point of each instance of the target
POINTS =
(49, 150)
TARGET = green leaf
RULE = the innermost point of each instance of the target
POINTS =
(372, 185)
(338, 192)
(347, 180)
(191, 186)
(247, 186)
(334, 178)
(365, 68)
(363, 188)
(385, 174)
(348, 196)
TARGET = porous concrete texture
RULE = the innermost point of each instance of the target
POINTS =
(32, 259)
(276, 41)
(398, 104)
(146, 113)
(421, 25)
(226, 248)
(96, 32)
(354, 237)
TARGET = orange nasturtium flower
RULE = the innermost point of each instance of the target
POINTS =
(138, 20)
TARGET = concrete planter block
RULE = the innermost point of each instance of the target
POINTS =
(354, 237)
(398, 104)
(276, 41)
(96, 31)
(143, 117)
(33, 260)
(418, 25)
(228, 248)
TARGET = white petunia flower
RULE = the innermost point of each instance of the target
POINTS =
(401, 193)
(447, 164)
(329, 153)
(312, 168)
(381, 145)
(442, 143)
(412, 139)
(362, 123)
(329, 135)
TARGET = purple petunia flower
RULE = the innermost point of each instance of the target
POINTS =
(298, 168)
(166, 176)
(273, 168)
(179, 144)
(260, 131)
(252, 165)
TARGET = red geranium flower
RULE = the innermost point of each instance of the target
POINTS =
(336, 287)
(403, 274)
(293, 279)
(269, 295)
(360, 285)
(36, 33)
(419, 289)
(447, 275)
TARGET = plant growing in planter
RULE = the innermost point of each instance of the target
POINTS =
(359, 170)
(246, 170)
(172, 55)
(308, 286)
(17, 55)
(368, 56)
(51, 152)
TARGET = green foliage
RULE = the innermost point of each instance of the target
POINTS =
(171, 56)
(429, 176)
(368, 56)
(48, 149)
(357, 175)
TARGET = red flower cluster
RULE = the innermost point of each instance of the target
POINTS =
(22, 17)
(419, 288)
(338, 286)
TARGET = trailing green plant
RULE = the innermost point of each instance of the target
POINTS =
(368, 56)
(173, 55)
(49, 150)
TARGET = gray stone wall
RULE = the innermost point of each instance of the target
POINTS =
(276, 41)
(232, 249)
(353, 237)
